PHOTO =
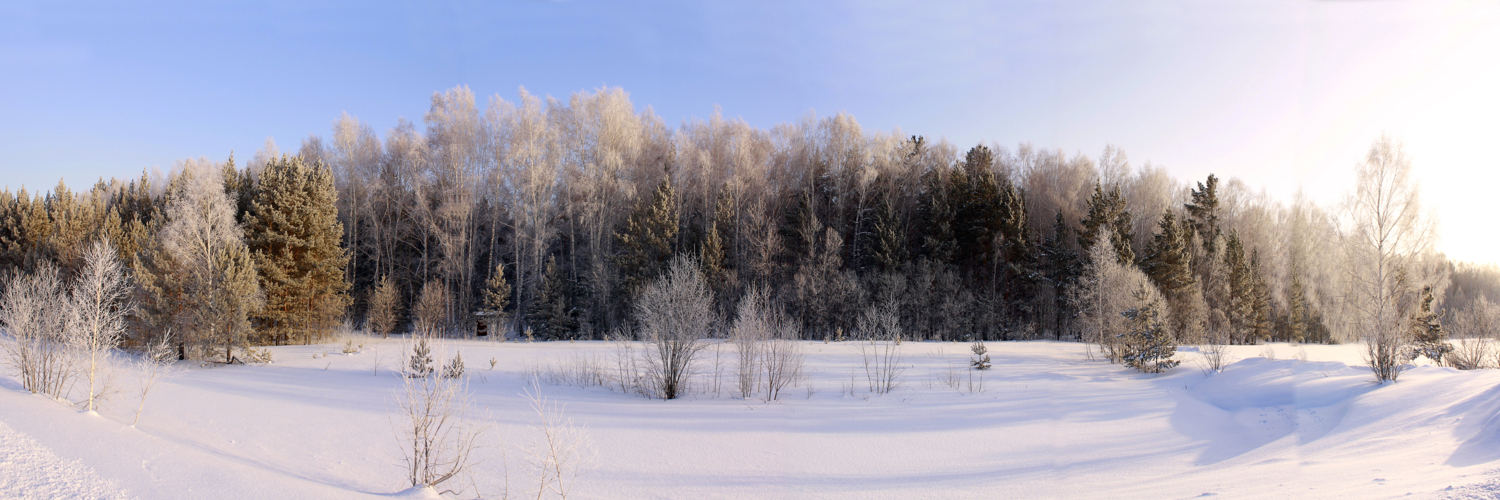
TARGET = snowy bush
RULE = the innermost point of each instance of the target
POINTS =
(153, 364)
(1215, 353)
(674, 312)
(881, 352)
(769, 357)
(261, 355)
(435, 434)
(37, 348)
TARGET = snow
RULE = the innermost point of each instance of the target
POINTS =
(1050, 423)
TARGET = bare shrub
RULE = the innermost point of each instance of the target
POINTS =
(34, 311)
(750, 330)
(782, 363)
(674, 312)
(433, 428)
(1470, 354)
(153, 365)
(562, 452)
(582, 371)
(881, 352)
(1215, 353)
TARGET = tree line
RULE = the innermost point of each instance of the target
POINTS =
(553, 216)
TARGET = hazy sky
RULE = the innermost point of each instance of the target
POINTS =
(1280, 94)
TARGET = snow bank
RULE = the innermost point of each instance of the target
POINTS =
(1050, 423)
(28, 470)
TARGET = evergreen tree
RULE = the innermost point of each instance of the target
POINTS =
(1260, 303)
(889, 250)
(497, 292)
(1203, 212)
(1169, 257)
(294, 230)
(937, 211)
(240, 186)
(552, 314)
(1061, 268)
(1296, 308)
(382, 315)
(649, 238)
(1240, 304)
(1147, 345)
(1427, 334)
(197, 276)
(981, 359)
(1107, 210)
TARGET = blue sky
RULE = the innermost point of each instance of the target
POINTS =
(1282, 94)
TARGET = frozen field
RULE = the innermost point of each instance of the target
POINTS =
(1050, 423)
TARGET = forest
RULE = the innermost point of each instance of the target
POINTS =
(549, 216)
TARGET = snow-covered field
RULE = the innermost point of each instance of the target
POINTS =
(1050, 423)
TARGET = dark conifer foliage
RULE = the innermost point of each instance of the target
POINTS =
(556, 212)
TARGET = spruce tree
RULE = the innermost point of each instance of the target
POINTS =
(649, 238)
(294, 230)
(1147, 345)
(552, 315)
(890, 237)
(1061, 267)
(197, 277)
(937, 211)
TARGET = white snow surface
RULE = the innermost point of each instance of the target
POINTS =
(1051, 423)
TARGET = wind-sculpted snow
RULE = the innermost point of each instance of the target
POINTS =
(1049, 423)
(28, 470)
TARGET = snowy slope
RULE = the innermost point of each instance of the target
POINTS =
(1050, 424)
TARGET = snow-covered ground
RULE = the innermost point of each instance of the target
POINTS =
(1050, 423)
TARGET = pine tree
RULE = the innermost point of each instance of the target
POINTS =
(1296, 308)
(197, 277)
(420, 363)
(497, 292)
(1427, 334)
(294, 230)
(1240, 306)
(1061, 268)
(381, 316)
(937, 212)
(981, 359)
(649, 238)
(1107, 210)
(1260, 302)
(1169, 258)
(1203, 212)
